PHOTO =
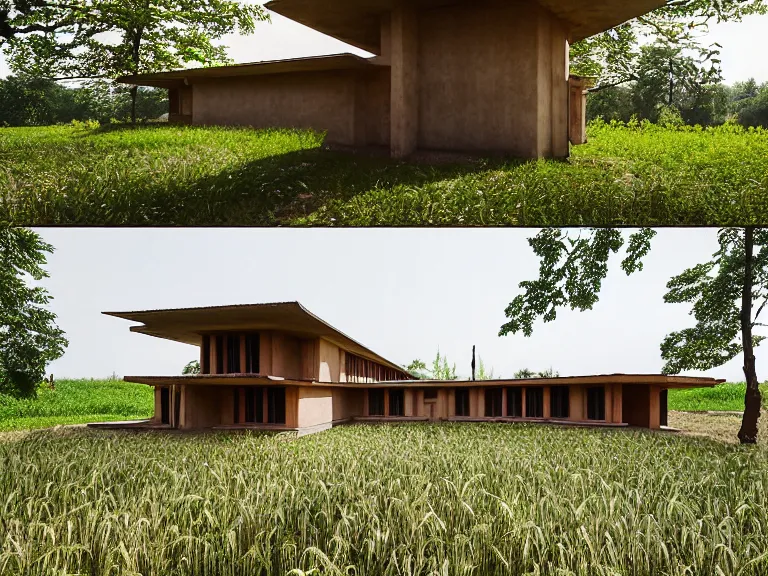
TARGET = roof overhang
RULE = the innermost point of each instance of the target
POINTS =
(660, 380)
(179, 78)
(187, 325)
(358, 22)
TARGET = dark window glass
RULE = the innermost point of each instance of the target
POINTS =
(376, 402)
(430, 394)
(515, 402)
(663, 420)
(219, 354)
(534, 402)
(462, 401)
(596, 403)
(559, 405)
(205, 364)
(252, 354)
(236, 407)
(250, 414)
(397, 402)
(233, 354)
(165, 405)
(493, 402)
(276, 405)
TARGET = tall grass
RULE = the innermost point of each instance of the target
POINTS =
(723, 397)
(638, 174)
(76, 402)
(383, 500)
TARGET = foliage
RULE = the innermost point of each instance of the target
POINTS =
(441, 370)
(571, 272)
(29, 336)
(526, 373)
(384, 500)
(417, 369)
(713, 289)
(39, 102)
(77, 401)
(728, 396)
(639, 174)
(483, 373)
(192, 367)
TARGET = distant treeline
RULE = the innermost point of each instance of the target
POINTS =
(40, 102)
(708, 105)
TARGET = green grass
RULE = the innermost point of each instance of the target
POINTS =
(633, 175)
(383, 500)
(724, 397)
(77, 402)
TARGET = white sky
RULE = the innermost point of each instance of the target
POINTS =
(403, 293)
(743, 54)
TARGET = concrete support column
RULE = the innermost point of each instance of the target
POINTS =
(404, 95)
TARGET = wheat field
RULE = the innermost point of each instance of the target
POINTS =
(382, 500)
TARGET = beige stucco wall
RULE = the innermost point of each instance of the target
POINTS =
(490, 78)
(348, 403)
(315, 407)
(329, 369)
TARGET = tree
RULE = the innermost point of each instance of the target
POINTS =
(483, 373)
(723, 293)
(612, 55)
(417, 369)
(110, 38)
(29, 336)
(441, 370)
(192, 367)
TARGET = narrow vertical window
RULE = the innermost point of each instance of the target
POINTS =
(219, 354)
(663, 419)
(397, 402)
(165, 405)
(493, 402)
(596, 403)
(534, 402)
(276, 405)
(233, 354)
(250, 404)
(515, 402)
(462, 401)
(205, 360)
(559, 402)
(252, 354)
(376, 402)
(236, 407)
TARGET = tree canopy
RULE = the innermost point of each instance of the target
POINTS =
(29, 336)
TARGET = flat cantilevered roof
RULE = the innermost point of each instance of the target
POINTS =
(357, 22)
(661, 380)
(178, 78)
(188, 324)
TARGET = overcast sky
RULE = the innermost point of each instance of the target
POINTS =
(744, 45)
(403, 293)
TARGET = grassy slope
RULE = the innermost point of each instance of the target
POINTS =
(190, 175)
(77, 402)
(728, 397)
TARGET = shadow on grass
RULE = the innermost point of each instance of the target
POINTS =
(284, 188)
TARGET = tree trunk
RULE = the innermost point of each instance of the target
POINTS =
(748, 431)
(134, 93)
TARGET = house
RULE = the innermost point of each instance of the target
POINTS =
(478, 76)
(280, 367)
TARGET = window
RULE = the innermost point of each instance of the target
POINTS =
(236, 407)
(219, 354)
(205, 361)
(276, 405)
(376, 402)
(596, 403)
(559, 401)
(233, 354)
(462, 401)
(361, 370)
(397, 402)
(515, 402)
(252, 354)
(254, 404)
(534, 402)
(663, 418)
(493, 402)
(430, 394)
(165, 405)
